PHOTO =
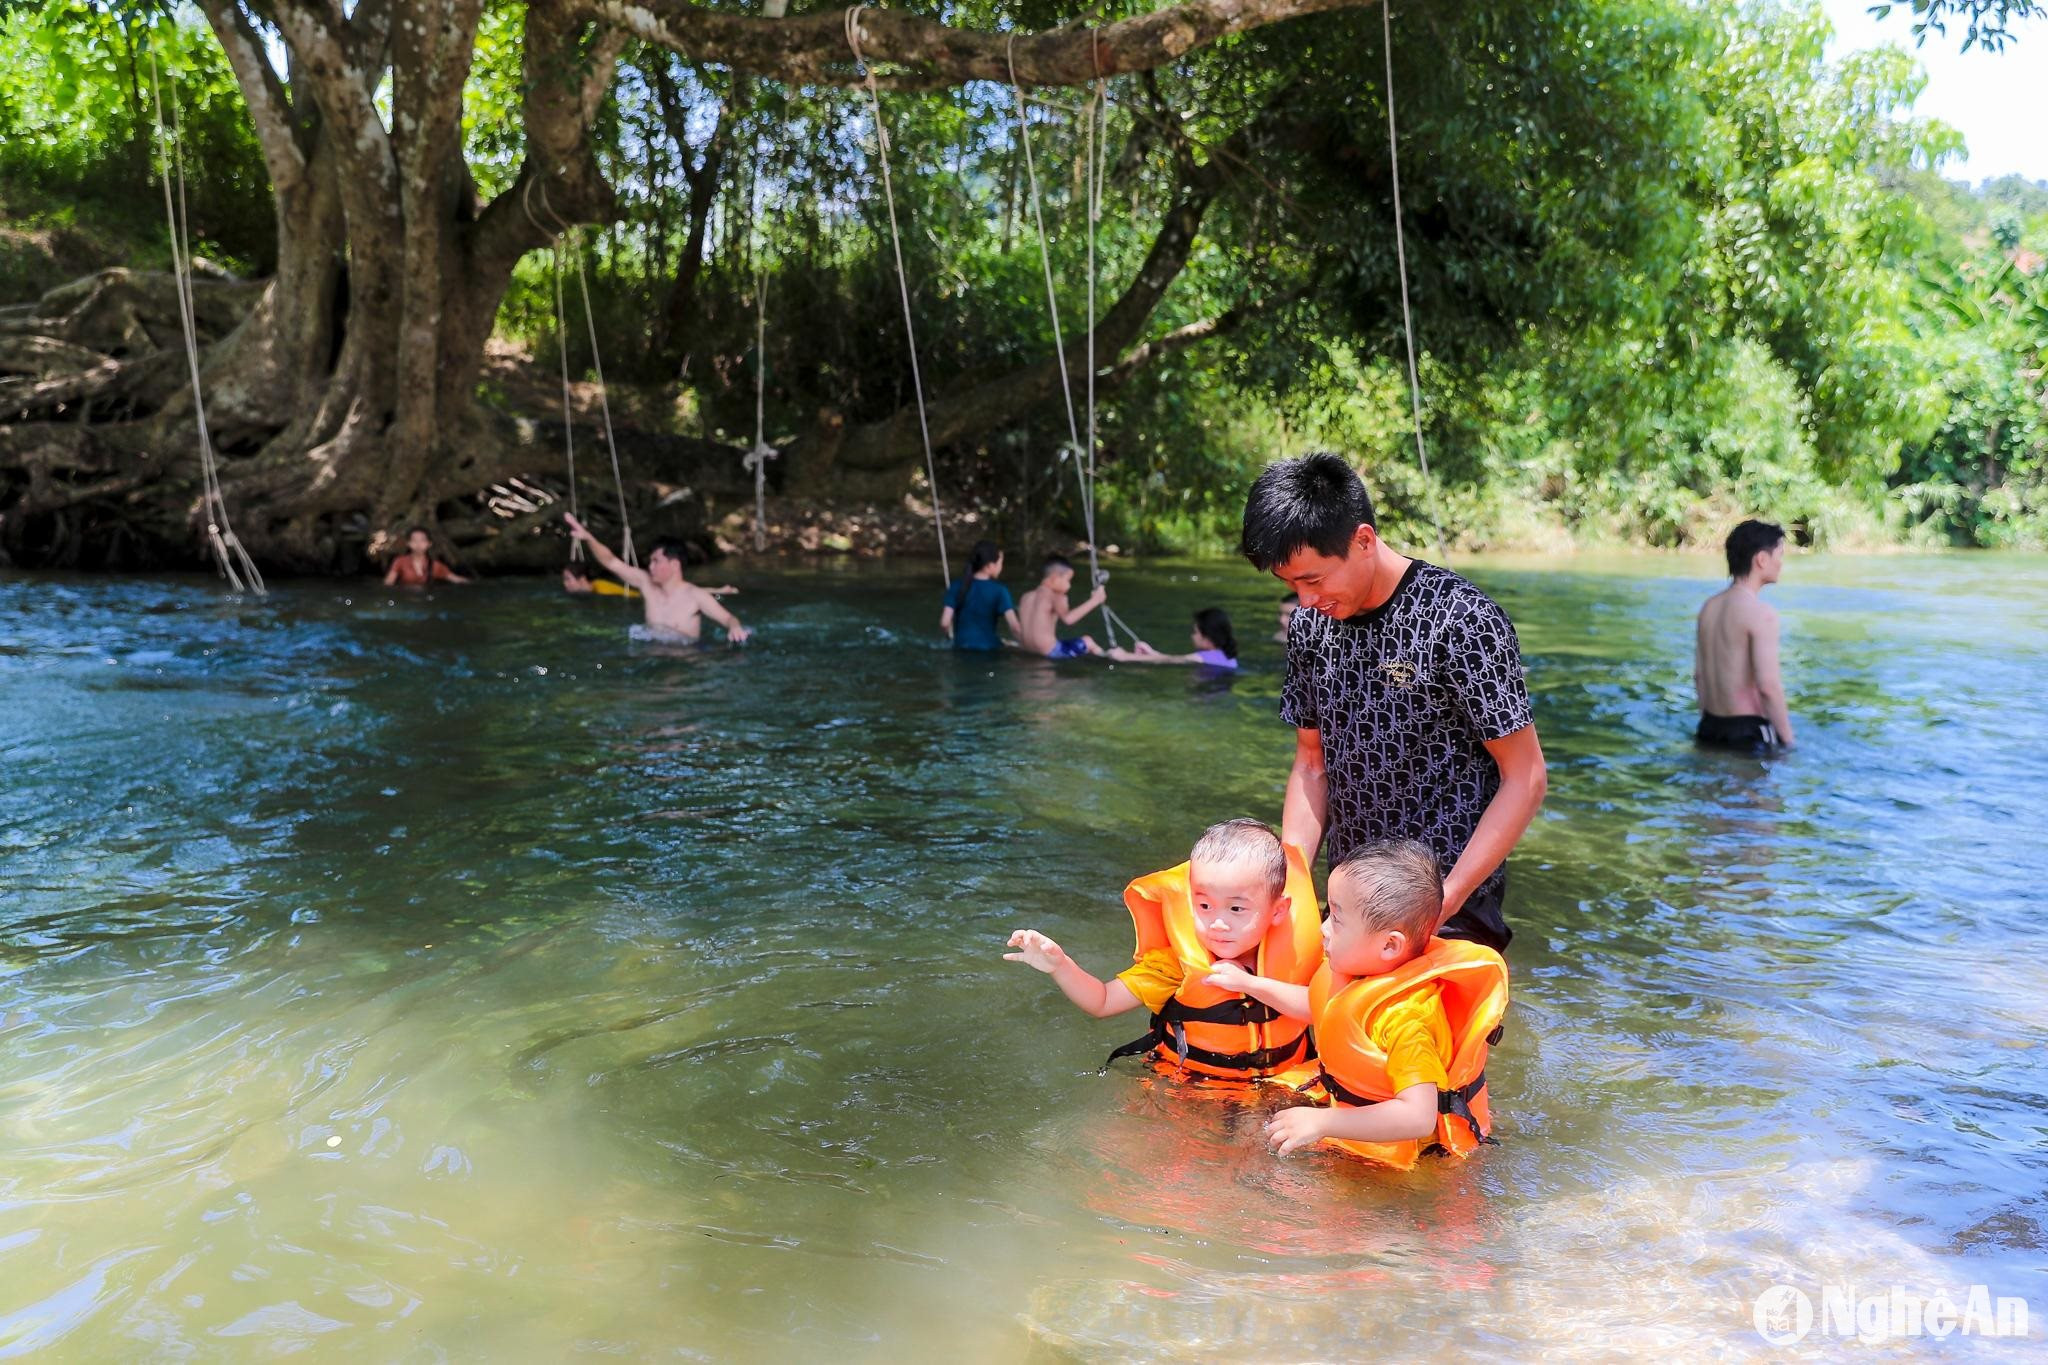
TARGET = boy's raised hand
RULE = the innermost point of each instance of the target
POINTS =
(1036, 950)
(1228, 976)
(1295, 1128)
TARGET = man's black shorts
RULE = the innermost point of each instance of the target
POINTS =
(1744, 734)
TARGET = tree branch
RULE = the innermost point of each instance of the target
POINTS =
(969, 410)
(270, 106)
(1180, 338)
(560, 183)
(813, 49)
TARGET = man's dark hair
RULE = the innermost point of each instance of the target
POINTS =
(412, 531)
(986, 552)
(1749, 540)
(1316, 502)
(1055, 562)
(575, 569)
(1214, 623)
(675, 547)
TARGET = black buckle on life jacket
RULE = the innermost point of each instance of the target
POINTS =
(1458, 1104)
(1168, 1030)
(1334, 1089)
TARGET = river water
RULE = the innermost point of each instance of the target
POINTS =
(445, 978)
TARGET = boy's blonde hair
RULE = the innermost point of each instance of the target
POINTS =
(1245, 843)
(1399, 886)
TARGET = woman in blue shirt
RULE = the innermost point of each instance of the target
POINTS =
(977, 603)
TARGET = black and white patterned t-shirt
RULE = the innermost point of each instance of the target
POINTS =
(1405, 696)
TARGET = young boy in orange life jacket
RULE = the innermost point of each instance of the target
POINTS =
(1242, 899)
(1402, 1019)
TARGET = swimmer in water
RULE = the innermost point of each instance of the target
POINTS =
(1289, 605)
(1044, 609)
(417, 567)
(977, 603)
(1214, 641)
(1735, 659)
(675, 608)
(577, 582)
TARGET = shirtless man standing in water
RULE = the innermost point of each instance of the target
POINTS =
(675, 609)
(1735, 668)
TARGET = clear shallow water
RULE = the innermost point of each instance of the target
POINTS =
(443, 977)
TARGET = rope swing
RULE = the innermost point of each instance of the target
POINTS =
(756, 460)
(565, 242)
(1401, 259)
(228, 554)
(1082, 456)
(902, 280)
(568, 409)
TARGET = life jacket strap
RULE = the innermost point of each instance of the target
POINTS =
(1242, 1009)
(1169, 1032)
(1457, 1103)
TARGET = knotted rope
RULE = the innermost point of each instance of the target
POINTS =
(228, 553)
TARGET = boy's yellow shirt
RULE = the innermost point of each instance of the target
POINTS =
(1413, 1031)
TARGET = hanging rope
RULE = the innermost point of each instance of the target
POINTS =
(757, 459)
(604, 404)
(1083, 474)
(902, 281)
(1097, 149)
(232, 559)
(565, 242)
(568, 408)
(1401, 259)
(1052, 303)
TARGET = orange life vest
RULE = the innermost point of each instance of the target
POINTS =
(1472, 981)
(1217, 1032)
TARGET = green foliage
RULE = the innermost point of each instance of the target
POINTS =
(1982, 476)
(1667, 265)
(77, 121)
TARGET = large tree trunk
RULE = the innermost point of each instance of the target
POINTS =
(342, 392)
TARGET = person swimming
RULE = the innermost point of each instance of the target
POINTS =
(977, 603)
(675, 607)
(577, 582)
(1289, 605)
(1214, 641)
(417, 567)
(1044, 610)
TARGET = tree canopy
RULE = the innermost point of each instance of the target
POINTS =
(1665, 262)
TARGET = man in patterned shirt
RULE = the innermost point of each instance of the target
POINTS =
(1404, 685)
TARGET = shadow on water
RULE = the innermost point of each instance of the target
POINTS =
(445, 975)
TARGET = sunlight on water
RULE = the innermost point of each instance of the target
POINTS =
(445, 976)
